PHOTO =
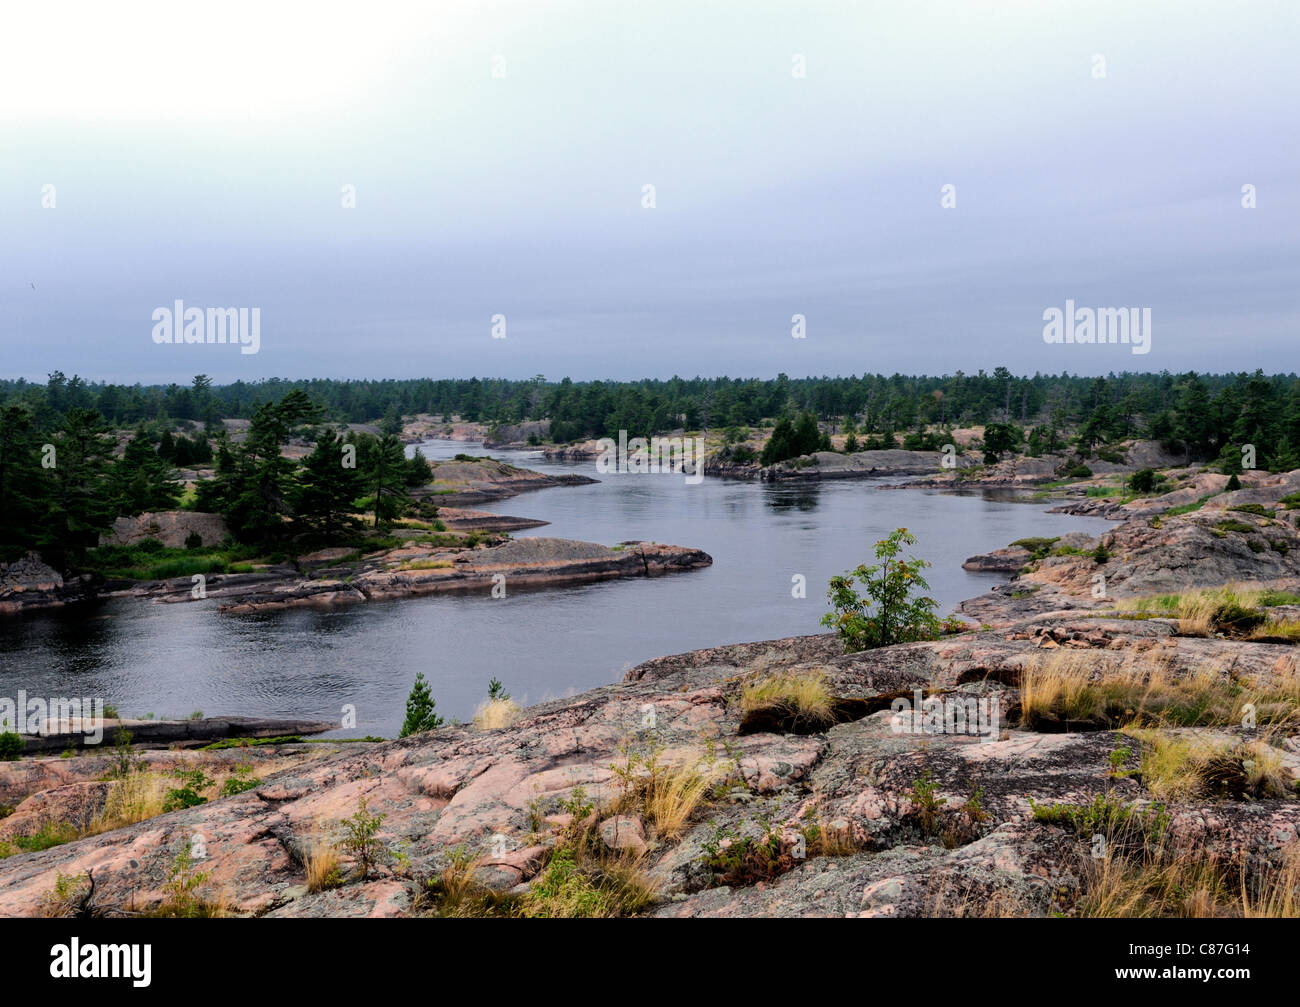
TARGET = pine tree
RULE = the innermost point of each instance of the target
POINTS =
(142, 480)
(386, 479)
(328, 486)
(255, 485)
(420, 714)
(22, 483)
(807, 436)
(779, 446)
(80, 505)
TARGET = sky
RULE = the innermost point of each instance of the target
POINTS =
(498, 154)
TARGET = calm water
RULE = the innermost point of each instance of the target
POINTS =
(174, 659)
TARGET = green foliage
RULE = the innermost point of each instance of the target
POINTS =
(1126, 826)
(124, 760)
(1000, 438)
(577, 805)
(49, 835)
(420, 715)
(144, 479)
(923, 795)
(224, 743)
(360, 840)
(327, 485)
(11, 743)
(188, 794)
(385, 479)
(151, 560)
(790, 439)
(183, 885)
(1038, 547)
(496, 690)
(240, 781)
(1143, 481)
(735, 859)
(892, 611)
(254, 485)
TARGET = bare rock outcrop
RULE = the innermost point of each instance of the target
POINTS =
(172, 528)
(482, 792)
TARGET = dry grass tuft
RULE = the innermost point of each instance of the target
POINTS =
(1190, 884)
(1144, 690)
(133, 798)
(324, 869)
(800, 700)
(494, 714)
(1180, 767)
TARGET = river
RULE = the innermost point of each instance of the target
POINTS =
(171, 660)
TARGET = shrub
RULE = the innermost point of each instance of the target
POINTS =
(900, 615)
(360, 839)
(1142, 481)
(183, 885)
(240, 781)
(1038, 547)
(1079, 471)
(570, 888)
(50, 834)
(744, 860)
(188, 795)
(11, 744)
(193, 540)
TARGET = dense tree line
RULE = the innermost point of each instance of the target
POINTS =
(1203, 412)
(64, 476)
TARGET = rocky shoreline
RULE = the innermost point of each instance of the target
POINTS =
(425, 563)
(906, 823)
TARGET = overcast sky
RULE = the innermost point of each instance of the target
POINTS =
(203, 158)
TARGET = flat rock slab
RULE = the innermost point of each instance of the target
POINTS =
(180, 732)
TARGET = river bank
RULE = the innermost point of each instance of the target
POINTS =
(972, 838)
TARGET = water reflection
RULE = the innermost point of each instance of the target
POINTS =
(802, 496)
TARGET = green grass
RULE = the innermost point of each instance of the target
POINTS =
(1253, 508)
(1188, 508)
(289, 739)
(225, 743)
(51, 834)
(1107, 816)
(145, 561)
(1231, 525)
